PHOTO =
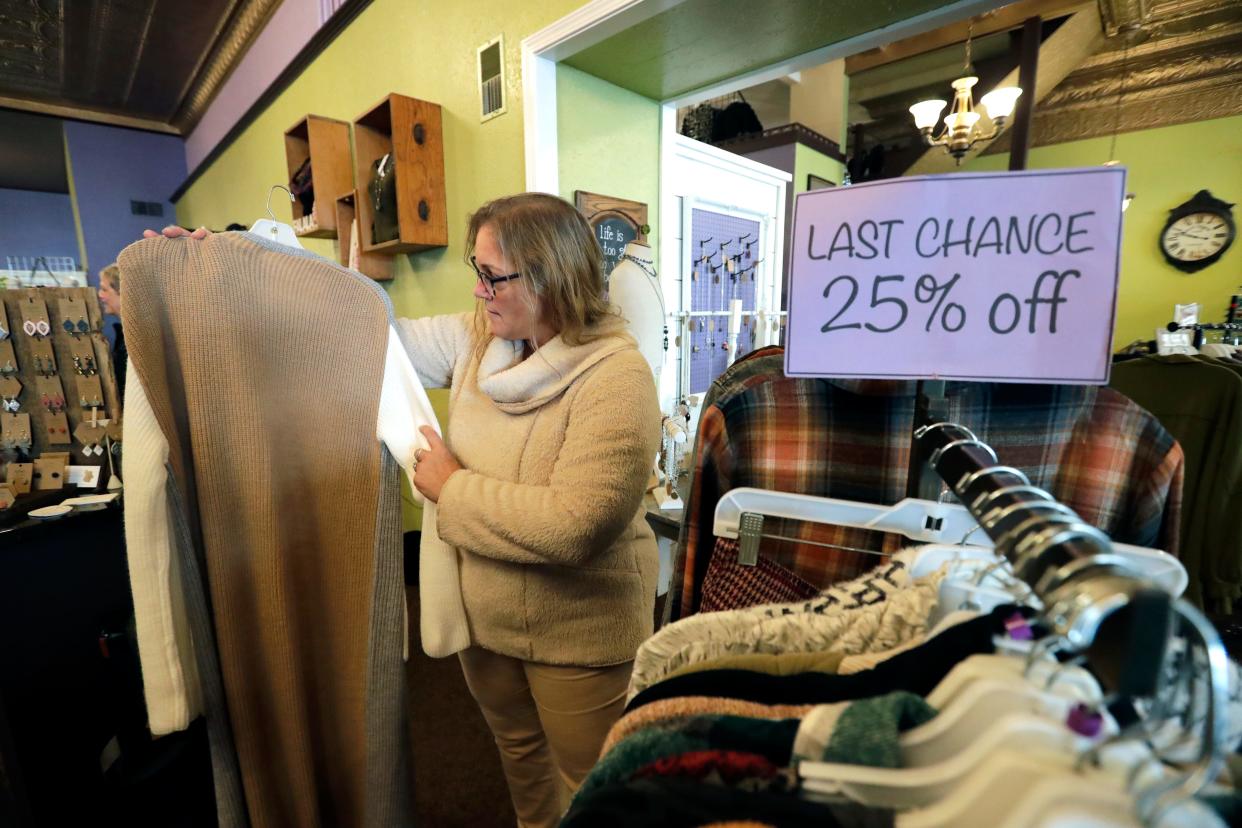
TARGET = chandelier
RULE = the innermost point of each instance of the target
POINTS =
(960, 132)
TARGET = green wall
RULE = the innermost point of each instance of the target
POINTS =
(425, 50)
(608, 140)
(809, 161)
(1165, 167)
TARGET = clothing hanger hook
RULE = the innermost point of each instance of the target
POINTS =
(276, 187)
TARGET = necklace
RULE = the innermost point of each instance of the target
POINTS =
(645, 267)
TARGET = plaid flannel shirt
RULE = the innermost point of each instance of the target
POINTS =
(1090, 447)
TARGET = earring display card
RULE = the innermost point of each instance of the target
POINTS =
(73, 316)
(49, 473)
(34, 316)
(49, 393)
(15, 431)
(84, 477)
(56, 429)
(7, 497)
(19, 477)
(10, 388)
(83, 353)
(90, 394)
(91, 437)
(42, 357)
(8, 358)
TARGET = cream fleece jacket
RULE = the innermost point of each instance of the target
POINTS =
(558, 564)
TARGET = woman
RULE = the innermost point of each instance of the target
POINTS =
(110, 300)
(553, 426)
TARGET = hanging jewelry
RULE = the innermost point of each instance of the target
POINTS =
(645, 267)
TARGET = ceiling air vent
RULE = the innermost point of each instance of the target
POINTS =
(492, 78)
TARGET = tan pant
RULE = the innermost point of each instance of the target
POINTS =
(549, 723)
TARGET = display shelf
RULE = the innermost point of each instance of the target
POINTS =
(375, 265)
(325, 141)
(410, 129)
(62, 347)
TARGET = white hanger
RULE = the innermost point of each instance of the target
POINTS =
(1017, 789)
(923, 786)
(982, 705)
(273, 230)
(947, 524)
(1048, 674)
(998, 789)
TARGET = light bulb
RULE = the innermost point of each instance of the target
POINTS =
(926, 113)
(961, 120)
(1000, 102)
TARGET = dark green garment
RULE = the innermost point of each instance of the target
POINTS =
(869, 731)
(771, 739)
(1200, 403)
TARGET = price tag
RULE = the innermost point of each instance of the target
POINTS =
(1174, 342)
(1007, 277)
(1186, 314)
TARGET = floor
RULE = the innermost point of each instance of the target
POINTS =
(457, 776)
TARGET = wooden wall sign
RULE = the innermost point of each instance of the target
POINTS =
(616, 222)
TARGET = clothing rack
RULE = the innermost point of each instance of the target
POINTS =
(1200, 329)
(1095, 605)
(1063, 559)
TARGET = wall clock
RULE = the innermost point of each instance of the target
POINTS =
(1198, 232)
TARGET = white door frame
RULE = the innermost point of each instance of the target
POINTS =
(600, 19)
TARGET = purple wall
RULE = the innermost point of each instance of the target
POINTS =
(290, 28)
(36, 224)
(111, 167)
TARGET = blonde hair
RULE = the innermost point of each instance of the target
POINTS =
(113, 274)
(549, 242)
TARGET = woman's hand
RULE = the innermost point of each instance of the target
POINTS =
(433, 466)
(172, 231)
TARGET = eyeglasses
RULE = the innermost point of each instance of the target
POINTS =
(489, 282)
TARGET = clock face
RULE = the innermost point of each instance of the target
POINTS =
(1195, 237)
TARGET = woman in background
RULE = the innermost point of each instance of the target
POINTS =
(110, 301)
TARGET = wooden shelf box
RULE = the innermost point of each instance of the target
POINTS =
(325, 141)
(410, 129)
(375, 265)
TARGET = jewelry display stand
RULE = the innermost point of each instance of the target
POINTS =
(82, 367)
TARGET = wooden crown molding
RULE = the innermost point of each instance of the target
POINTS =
(1183, 78)
(1119, 15)
(782, 135)
(244, 24)
(94, 116)
(320, 41)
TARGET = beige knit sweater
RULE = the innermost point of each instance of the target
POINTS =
(558, 565)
